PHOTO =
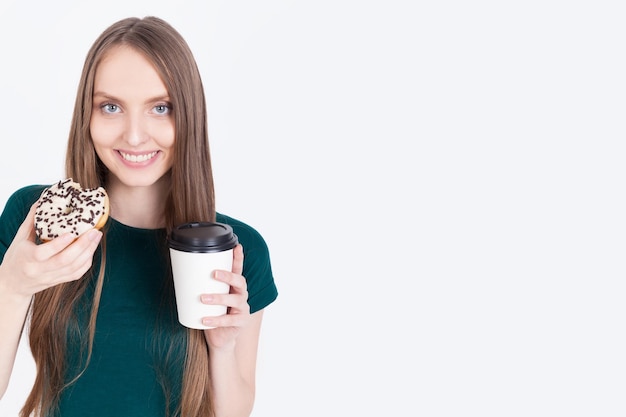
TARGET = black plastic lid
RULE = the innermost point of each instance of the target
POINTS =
(202, 237)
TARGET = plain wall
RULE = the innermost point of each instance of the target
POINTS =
(441, 185)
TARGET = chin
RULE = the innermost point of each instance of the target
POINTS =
(141, 180)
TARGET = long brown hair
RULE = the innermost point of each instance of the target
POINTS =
(191, 187)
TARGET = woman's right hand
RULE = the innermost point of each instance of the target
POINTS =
(28, 268)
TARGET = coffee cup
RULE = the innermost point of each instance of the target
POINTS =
(197, 249)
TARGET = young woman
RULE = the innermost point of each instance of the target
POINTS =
(101, 313)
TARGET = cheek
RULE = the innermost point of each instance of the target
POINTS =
(165, 135)
(102, 134)
(170, 148)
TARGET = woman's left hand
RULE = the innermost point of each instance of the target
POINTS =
(227, 326)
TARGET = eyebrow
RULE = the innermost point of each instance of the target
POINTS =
(159, 97)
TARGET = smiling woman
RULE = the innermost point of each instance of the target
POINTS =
(132, 127)
(139, 131)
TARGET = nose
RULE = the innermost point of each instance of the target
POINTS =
(135, 132)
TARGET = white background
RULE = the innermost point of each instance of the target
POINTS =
(441, 185)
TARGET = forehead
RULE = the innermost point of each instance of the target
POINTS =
(125, 70)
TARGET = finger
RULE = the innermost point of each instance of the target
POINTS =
(226, 320)
(81, 249)
(234, 280)
(234, 301)
(69, 264)
(49, 249)
(26, 232)
(238, 260)
(72, 272)
(80, 267)
(27, 228)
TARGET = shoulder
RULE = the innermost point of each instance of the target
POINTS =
(20, 201)
(248, 236)
(257, 267)
(14, 213)
(29, 193)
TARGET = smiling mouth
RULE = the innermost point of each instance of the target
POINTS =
(138, 158)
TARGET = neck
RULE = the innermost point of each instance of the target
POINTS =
(141, 206)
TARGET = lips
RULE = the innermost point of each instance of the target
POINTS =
(143, 157)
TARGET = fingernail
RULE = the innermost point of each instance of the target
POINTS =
(68, 237)
(207, 321)
(95, 235)
(206, 298)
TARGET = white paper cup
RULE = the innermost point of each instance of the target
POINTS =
(197, 249)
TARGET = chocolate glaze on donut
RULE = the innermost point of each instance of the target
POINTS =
(66, 207)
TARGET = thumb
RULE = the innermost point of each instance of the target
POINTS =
(26, 230)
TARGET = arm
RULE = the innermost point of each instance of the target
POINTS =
(13, 311)
(233, 345)
(28, 268)
(233, 372)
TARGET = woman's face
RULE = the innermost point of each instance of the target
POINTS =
(132, 124)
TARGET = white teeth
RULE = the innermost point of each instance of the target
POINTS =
(138, 158)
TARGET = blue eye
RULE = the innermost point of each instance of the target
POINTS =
(110, 108)
(162, 109)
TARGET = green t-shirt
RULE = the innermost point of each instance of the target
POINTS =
(139, 345)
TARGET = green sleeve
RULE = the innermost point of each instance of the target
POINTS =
(257, 267)
(14, 213)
